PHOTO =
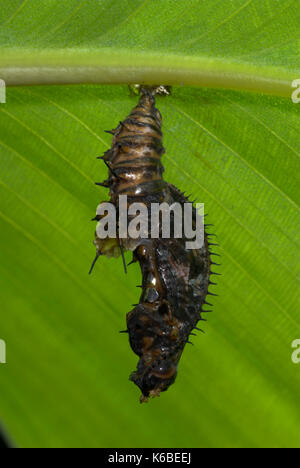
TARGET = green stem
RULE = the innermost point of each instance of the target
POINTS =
(73, 66)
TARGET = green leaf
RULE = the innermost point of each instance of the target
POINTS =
(65, 383)
(248, 45)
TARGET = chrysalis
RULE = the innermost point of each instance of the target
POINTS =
(175, 279)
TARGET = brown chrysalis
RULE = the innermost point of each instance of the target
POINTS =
(175, 279)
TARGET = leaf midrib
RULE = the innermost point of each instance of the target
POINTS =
(23, 66)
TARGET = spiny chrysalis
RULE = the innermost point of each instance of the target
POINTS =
(175, 279)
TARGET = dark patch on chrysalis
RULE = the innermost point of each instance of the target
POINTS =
(175, 280)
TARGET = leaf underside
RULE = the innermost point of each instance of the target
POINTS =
(65, 383)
